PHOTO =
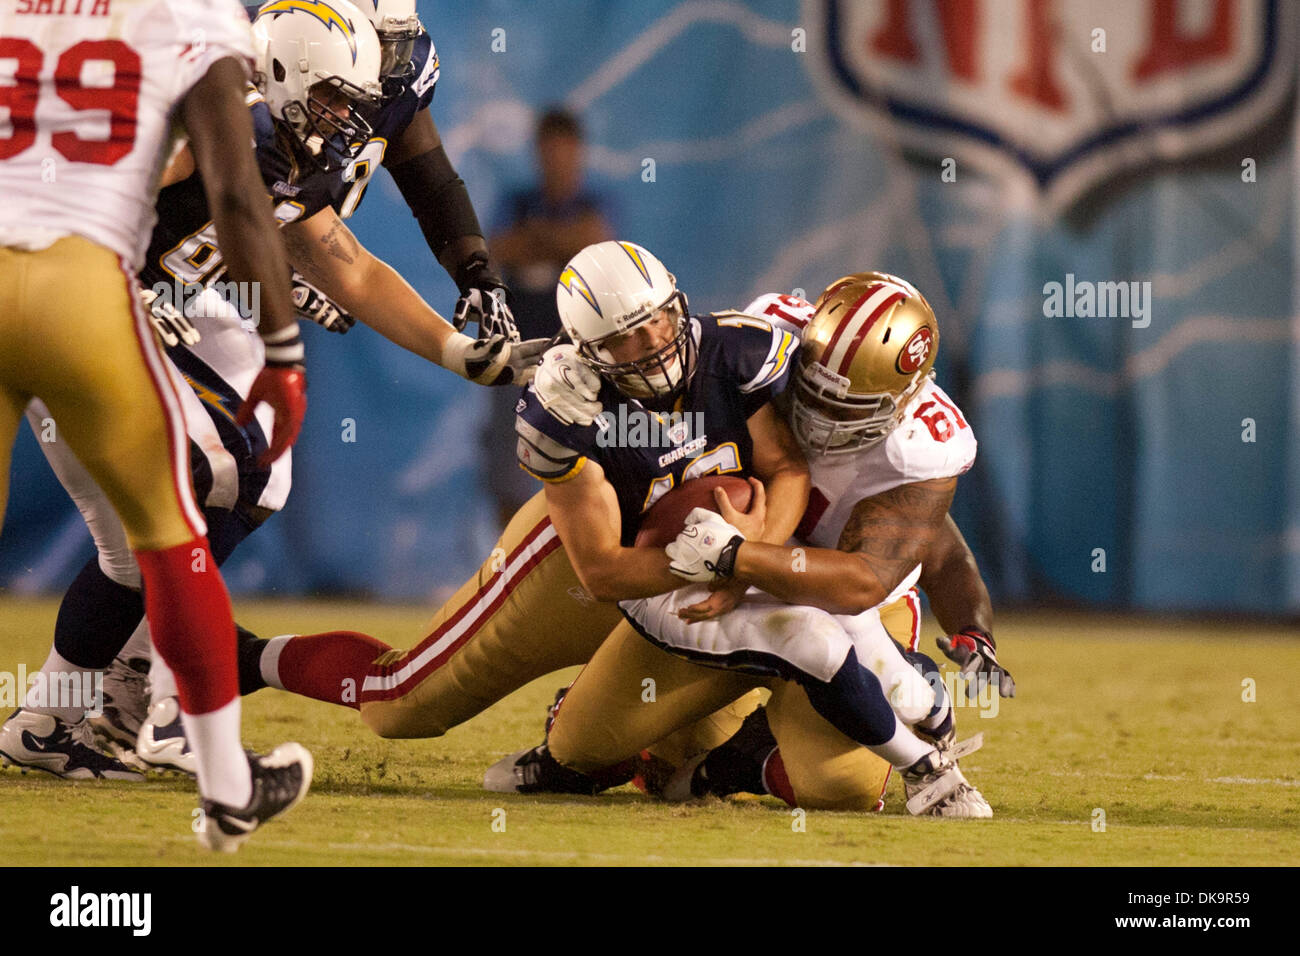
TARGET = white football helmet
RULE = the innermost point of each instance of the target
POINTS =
(303, 48)
(611, 288)
(398, 27)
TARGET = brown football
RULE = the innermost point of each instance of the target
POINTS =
(667, 516)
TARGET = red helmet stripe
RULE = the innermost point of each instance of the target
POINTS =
(865, 328)
(844, 323)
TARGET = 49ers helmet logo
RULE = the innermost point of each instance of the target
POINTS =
(916, 351)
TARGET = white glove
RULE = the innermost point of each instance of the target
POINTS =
(568, 387)
(494, 360)
(704, 550)
(170, 322)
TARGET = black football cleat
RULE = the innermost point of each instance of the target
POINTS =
(536, 771)
(280, 780)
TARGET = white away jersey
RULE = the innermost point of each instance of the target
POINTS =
(89, 125)
(934, 440)
(788, 312)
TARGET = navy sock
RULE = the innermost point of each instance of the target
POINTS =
(928, 669)
(96, 618)
(249, 651)
(98, 615)
(854, 703)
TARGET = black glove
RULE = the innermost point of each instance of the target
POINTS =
(973, 650)
(311, 303)
(484, 300)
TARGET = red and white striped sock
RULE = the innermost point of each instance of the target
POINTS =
(331, 666)
(190, 620)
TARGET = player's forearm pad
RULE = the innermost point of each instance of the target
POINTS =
(437, 197)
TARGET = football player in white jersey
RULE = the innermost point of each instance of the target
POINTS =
(101, 85)
(885, 445)
(221, 361)
(873, 472)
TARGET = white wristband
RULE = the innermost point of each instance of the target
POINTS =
(284, 346)
(453, 352)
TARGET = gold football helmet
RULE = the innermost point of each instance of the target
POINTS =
(868, 349)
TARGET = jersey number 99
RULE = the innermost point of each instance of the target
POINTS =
(119, 100)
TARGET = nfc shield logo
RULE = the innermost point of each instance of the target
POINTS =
(1017, 88)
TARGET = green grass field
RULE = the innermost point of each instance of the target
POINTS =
(1145, 722)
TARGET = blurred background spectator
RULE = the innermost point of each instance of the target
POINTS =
(539, 229)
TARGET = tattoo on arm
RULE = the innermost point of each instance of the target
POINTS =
(341, 244)
(892, 531)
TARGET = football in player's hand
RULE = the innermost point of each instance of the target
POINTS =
(667, 516)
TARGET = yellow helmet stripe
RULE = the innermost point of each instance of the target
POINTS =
(322, 11)
(635, 255)
(571, 282)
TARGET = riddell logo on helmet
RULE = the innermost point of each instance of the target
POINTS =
(642, 310)
(916, 351)
(836, 383)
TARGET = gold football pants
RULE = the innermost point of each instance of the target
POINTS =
(521, 616)
(524, 614)
(72, 334)
(633, 695)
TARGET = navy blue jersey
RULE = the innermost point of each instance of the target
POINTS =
(397, 111)
(183, 247)
(388, 123)
(741, 363)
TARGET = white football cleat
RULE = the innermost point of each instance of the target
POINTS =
(935, 787)
(126, 701)
(161, 743)
(35, 741)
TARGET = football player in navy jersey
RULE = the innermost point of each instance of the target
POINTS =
(697, 391)
(705, 381)
(404, 139)
(316, 150)
(630, 325)
(885, 447)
